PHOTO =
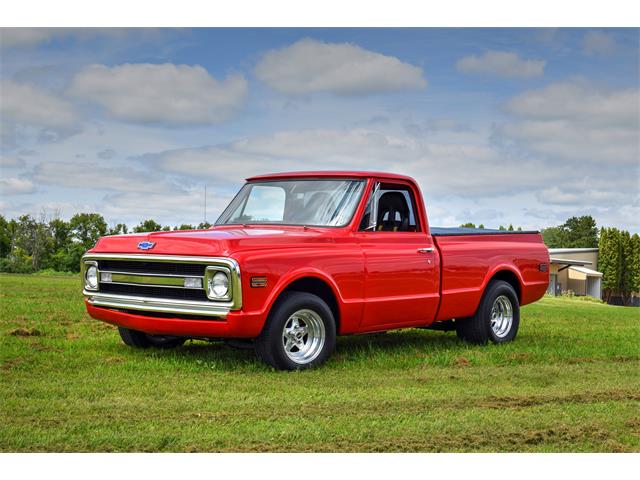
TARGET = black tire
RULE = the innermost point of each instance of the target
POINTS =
(270, 346)
(478, 329)
(137, 339)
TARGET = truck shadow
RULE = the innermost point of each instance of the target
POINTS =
(220, 356)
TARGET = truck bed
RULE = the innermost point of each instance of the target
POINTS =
(457, 231)
(470, 256)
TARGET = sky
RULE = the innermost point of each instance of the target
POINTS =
(499, 126)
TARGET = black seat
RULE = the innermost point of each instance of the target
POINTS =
(393, 213)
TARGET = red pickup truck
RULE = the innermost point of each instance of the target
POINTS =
(298, 258)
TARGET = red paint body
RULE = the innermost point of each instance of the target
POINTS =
(379, 279)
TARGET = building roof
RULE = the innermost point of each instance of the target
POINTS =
(572, 250)
(566, 261)
(587, 271)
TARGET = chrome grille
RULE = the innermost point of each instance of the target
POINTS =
(156, 283)
(186, 269)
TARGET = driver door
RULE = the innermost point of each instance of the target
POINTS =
(401, 286)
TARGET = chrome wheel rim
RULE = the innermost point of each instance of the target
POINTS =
(303, 336)
(501, 316)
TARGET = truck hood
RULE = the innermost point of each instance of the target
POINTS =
(217, 241)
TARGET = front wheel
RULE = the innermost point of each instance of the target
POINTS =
(137, 339)
(300, 333)
(497, 318)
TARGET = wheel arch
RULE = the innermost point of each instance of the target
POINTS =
(312, 282)
(509, 275)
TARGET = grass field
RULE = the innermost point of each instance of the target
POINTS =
(570, 382)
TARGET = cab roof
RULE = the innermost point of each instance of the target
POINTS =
(330, 174)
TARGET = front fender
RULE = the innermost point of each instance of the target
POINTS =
(309, 272)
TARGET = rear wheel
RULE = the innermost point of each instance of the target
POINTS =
(137, 339)
(497, 318)
(300, 333)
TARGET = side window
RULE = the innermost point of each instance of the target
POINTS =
(390, 208)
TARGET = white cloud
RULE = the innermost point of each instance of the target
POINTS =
(310, 66)
(16, 186)
(486, 177)
(29, 37)
(166, 94)
(177, 208)
(502, 64)
(94, 176)
(466, 170)
(25, 106)
(578, 99)
(599, 43)
(576, 121)
(11, 161)
(107, 154)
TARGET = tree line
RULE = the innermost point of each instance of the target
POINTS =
(501, 227)
(29, 244)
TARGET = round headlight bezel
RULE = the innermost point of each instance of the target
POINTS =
(91, 277)
(219, 286)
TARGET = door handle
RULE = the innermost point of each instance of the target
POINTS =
(426, 250)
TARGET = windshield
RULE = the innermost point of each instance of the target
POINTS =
(323, 203)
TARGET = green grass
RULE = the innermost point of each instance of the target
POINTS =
(570, 382)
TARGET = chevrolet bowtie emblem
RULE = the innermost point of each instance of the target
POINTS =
(146, 245)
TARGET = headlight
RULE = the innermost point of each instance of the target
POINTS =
(91, 277)
(218, 285)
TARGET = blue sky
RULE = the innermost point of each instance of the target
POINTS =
(499, 126)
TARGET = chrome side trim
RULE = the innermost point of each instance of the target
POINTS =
(147, 280)
(126, 302)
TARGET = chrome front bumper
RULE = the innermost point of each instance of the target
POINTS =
(216, 309)
(126, 302)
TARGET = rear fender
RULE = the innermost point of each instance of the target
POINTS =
(501, 268)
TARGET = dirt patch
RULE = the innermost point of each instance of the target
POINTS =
(11, 363)
(519, 356)
(462, 362)
(634, 424)
(578, 360)
(25, 332)
(113, 360)
(519, 402)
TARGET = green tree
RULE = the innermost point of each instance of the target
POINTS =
(119, 229)
(61, 242)
(610, 261)
(553, 237)
(148, 225)
(5, 237)
(629, 266)
(186, 226)
(468, 225)
(634, 263)
(204, 225)
(580, 232)
(87, 228)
